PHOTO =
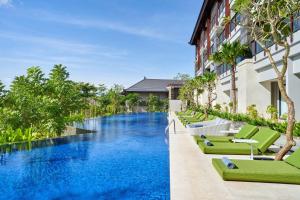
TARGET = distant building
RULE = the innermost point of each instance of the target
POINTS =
(256, 79)
(163, 88)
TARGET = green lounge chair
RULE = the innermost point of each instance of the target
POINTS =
(186, 113)
(196, 117)
(287, 171)
(201, 119)
(265, 138)
(246, 132)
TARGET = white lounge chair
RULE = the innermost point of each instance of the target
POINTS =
(213, 127)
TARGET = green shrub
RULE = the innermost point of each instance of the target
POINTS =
(218, 107)
(273, 112)
(252, 111)
(258, 121)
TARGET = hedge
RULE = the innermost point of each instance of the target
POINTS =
(259, 121)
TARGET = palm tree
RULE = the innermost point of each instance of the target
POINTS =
(209, 82)
(228, 55)
(197, 86)
(187, 92)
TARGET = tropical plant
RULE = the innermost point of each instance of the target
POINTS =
(116, 100)
(63, 98)
(3, 93)
(155, 104)
(184, 77)
(132, 100)
(273, 112)
(270, 22)
(186, 92)
(259, 121)
(208, 80)
(218, 107)
(252, 111)
(228, 55)
(197, 88)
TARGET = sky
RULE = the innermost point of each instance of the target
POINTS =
(100, 41)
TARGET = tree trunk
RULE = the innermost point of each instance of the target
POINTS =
(233, 90)
(209, 98)
(291, 121)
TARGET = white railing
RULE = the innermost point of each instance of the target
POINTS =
(168, 127)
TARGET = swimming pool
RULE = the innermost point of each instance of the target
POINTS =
(126, 159)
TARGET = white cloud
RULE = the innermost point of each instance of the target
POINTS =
(64, 46)
(148, 32)
(5, 3)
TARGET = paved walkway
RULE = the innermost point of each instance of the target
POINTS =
(194, 178)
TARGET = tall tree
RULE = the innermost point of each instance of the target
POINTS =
(208, 80)
(25, 99)
(3, 94)
(198, 87)
(228, 55)
(132, 100)
(184, 77)
(187, 92)
(87, 90)
(269, 21)
(64, 97)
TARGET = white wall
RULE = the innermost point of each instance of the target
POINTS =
(175, 105)
(250, 90)
(293, 86)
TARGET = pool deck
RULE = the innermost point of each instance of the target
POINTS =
(193, 177)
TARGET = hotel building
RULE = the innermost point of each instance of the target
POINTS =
(256, 79)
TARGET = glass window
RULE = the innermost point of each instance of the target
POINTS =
(296, 22)
(258, 48)
(239, 59)
(232, 25)
(213, 22)
(222, 6)
(252, 48)
(221, 37)
(269, 43)
(238, 18)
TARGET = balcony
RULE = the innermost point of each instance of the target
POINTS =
(296, 69)
(216, 30)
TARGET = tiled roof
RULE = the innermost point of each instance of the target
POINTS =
(153, 85)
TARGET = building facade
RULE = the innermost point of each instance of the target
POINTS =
(256, 79)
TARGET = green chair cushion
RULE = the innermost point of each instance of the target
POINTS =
(258, 171)
(225, 148)
(187, 113)
(294, 159)
(246, 132)
(265, 137)
(213, 138)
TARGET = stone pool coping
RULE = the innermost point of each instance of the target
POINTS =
(193, 177)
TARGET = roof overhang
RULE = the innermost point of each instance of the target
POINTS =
(200, 25)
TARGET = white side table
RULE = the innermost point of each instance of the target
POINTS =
(230, 131)
(248, 141)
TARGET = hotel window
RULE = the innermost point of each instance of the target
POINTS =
(222, 6)
(235, 21)
(221, 38)
(214, 17)
(258, 48)
(255, 48)
(213, 49)
(296, 25)
(222, 69)
(269, 43)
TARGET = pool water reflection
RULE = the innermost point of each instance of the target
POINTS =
(126, 159)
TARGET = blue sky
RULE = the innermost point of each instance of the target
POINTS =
(100, 41)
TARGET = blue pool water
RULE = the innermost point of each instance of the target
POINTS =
(126, 159)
